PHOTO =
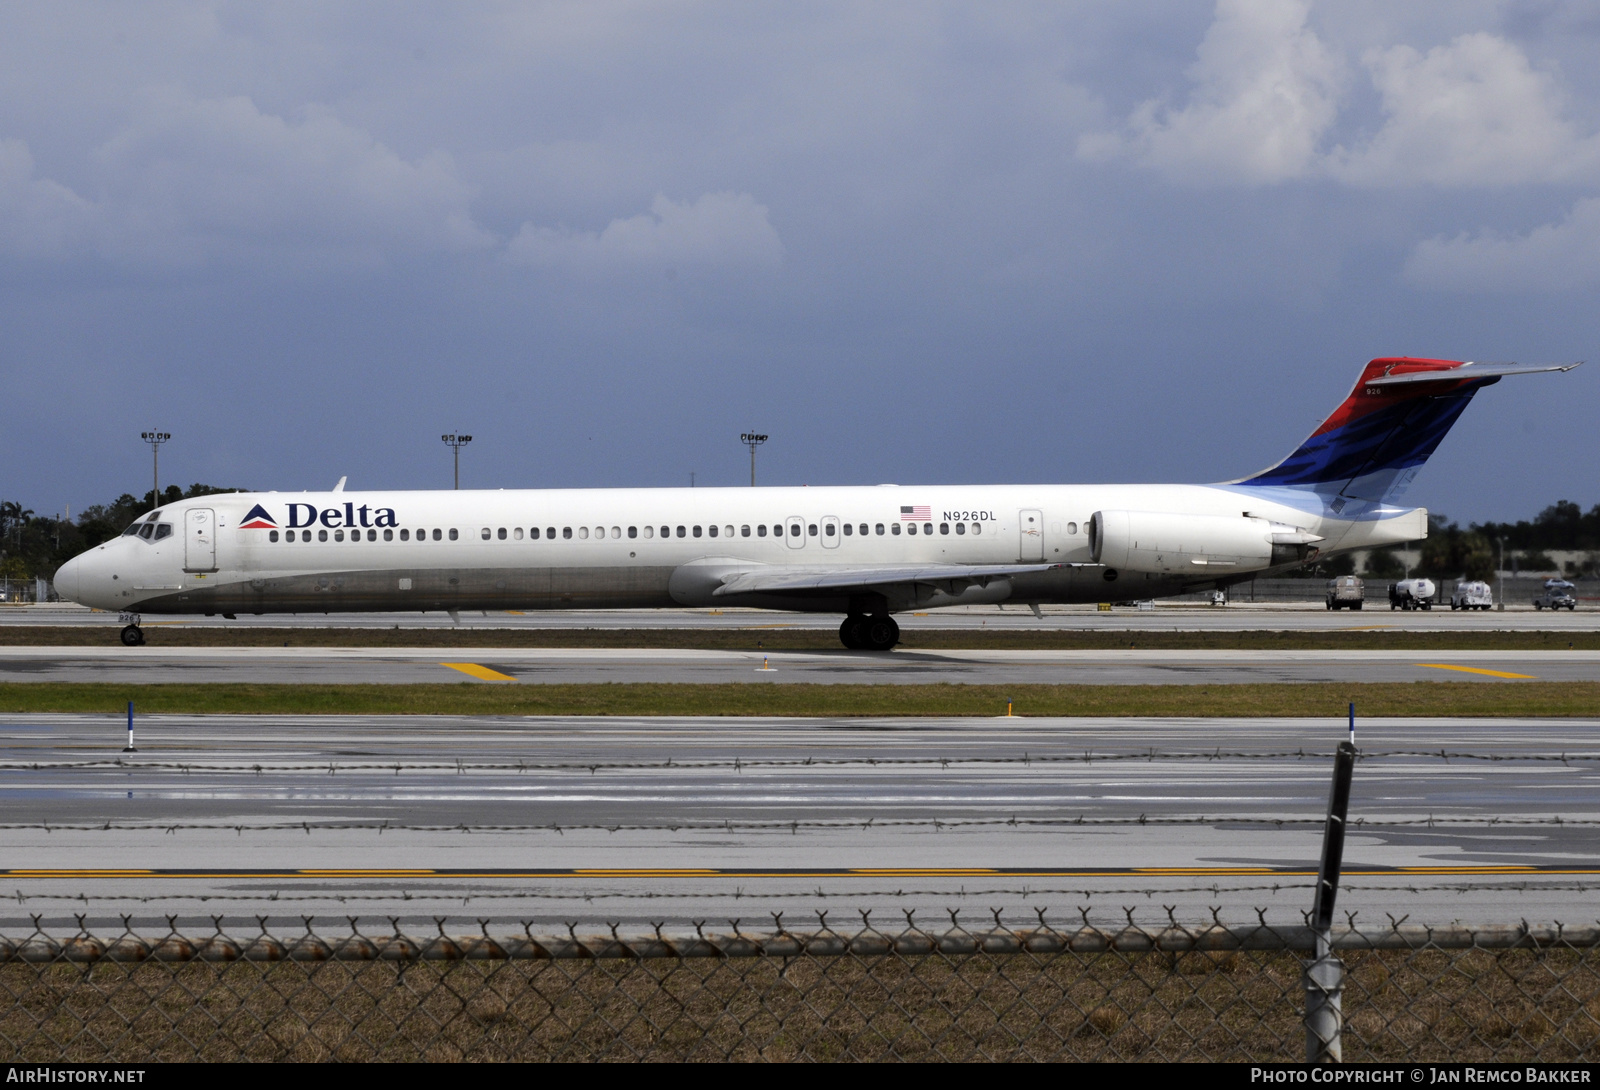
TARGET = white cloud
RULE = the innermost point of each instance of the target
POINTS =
(1265, 92)
(718, 229)
(1474, 112)
(39, 218)
(187, 181)
(1555, 257)
(188, 174)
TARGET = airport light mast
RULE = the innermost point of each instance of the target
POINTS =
(752, 440)
(155, 439)
(456, 442)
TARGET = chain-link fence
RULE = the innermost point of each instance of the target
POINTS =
(957, 989)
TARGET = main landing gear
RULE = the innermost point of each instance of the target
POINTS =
(874, 633)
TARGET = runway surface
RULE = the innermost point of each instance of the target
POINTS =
(1165, 617)
(319, 665)
(648, 820)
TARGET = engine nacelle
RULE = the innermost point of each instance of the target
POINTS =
(1198, 545)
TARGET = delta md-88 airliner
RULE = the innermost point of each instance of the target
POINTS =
(865, 552)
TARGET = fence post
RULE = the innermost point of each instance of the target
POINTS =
(1324, 974)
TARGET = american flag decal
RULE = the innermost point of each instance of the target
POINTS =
(916, 514)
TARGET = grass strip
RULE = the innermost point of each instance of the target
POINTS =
(800, 639)
(1414, 698)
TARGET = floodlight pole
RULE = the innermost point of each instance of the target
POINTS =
(456, 442)
(155, 439)
(1500, 577)
(752, 440)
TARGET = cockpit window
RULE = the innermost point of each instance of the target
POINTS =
(163, 529)
(146, 530)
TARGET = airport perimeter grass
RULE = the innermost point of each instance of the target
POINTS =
(1417, 698)
(779, 638)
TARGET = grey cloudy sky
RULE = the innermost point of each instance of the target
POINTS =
(912, 242)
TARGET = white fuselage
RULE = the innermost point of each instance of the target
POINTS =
(619, 548)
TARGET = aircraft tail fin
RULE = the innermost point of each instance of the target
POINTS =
(1372, 445)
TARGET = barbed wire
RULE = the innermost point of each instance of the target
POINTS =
(738, 764)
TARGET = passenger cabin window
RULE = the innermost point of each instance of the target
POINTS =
(944, 528)
(977, 527)
(713, 531)
(864, 530)
(927, 527)
(697, 531)
(894, 528)
(744, 531)
(501, 533)
(436, 533)
(727, 531)
(533, 533)
(827, 529)
(550, 532)
(761, 531)
(372, 535)
(848, 529)
(486, 533)
(583, 533)
(879, 530)
(961, 527)
(650, 531)
(599, 531)
(633, 531)
(338, 535)
(453, 535)
(272, 535)
(794, 531)
(682, 531)
(388, 535)
(812, 529)
(1072, 527)
(566, 533)
(405, 535)
(517, 533)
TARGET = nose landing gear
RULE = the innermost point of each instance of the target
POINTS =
(132, 634)
(875, 633)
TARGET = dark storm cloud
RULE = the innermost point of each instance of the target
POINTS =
(1037, 242)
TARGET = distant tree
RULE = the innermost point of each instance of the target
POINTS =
(1383, 564)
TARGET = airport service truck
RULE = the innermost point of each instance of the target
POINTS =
(1411, 594)
(1345, 592)
(1472, 594)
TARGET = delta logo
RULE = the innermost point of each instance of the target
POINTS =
(258, 519)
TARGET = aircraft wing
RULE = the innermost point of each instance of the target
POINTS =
(781, 579)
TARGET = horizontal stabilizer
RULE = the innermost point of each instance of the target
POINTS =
(795, 580)
(1472, 370)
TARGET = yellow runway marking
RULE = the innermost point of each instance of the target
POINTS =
(1475, 670)
(1369, 628)
(482, 673)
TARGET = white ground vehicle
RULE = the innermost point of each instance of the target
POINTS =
(1412, 594)
(1345, 592)
(1472, 595)
(1557, 595)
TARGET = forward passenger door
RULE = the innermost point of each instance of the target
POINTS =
(200, 539)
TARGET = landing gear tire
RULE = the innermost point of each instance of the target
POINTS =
(880, 633)
(850, 633)
(132, 636)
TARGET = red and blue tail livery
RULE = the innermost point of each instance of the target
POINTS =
(1372, 446)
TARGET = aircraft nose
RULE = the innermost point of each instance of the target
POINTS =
(69, 578)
